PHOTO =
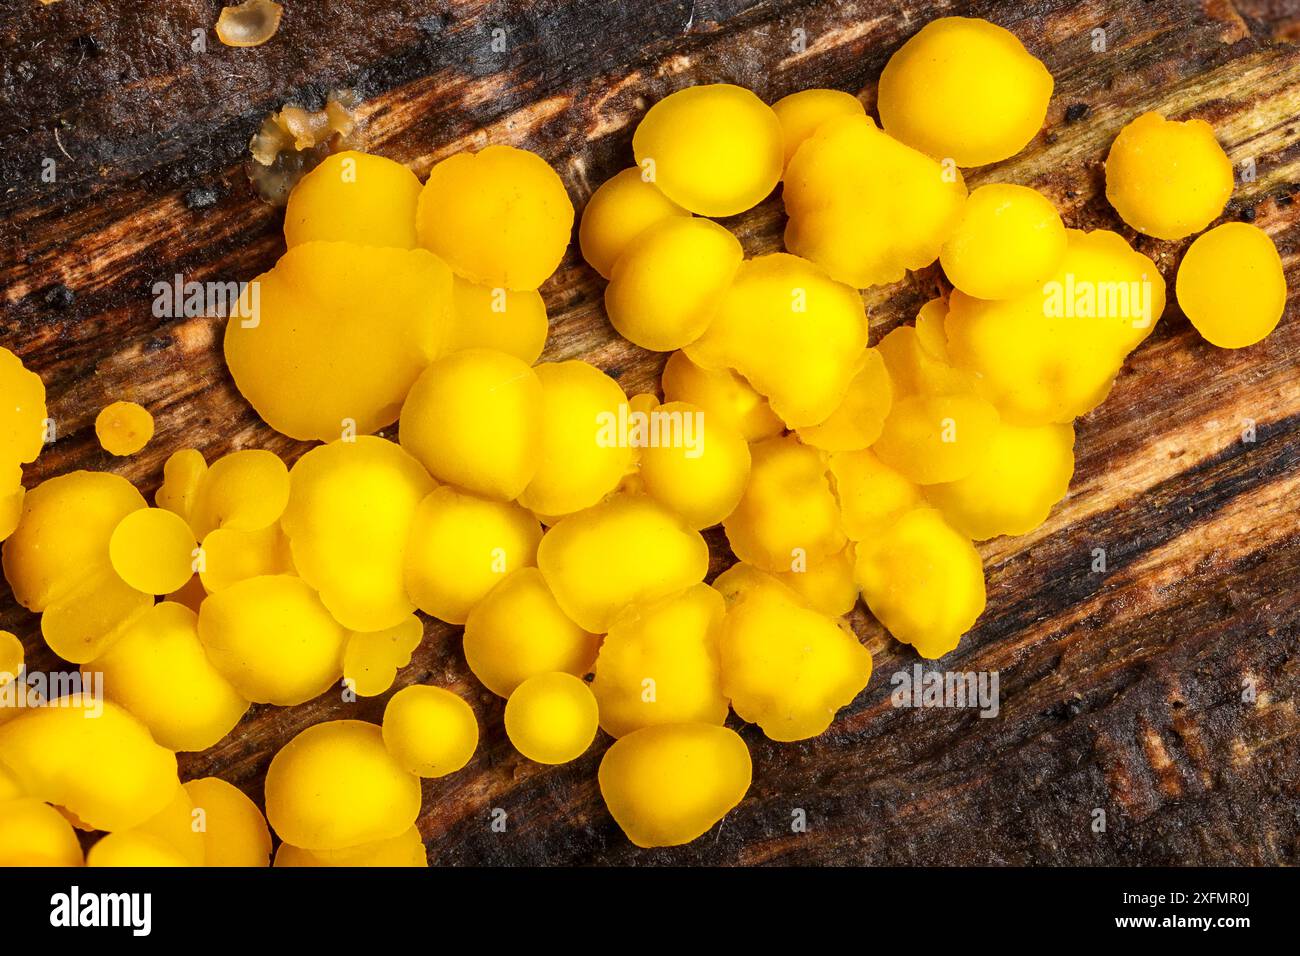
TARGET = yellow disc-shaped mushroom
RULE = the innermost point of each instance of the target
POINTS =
(429, 731)
(1231, 285)
(552, 718)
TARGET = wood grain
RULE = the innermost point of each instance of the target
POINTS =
(1120, 691)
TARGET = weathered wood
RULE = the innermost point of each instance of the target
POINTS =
(1120, 690)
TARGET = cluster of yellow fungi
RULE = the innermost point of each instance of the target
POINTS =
(558, 519)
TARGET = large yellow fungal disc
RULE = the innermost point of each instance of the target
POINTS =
(152, 550)
(157, 669)
(244, 491)
(123, 428)
(231, 556)
(1026, 470)
(336, 786)
(1051, 355)
(354, 197)
(350, 512)
(429, 731)
(404, 850)
(583, 455)
(803, 113)
(92, 758)
(785, 666)
(338, 335)
(696, 465)
(659, 664)
(500, 217)
(33, 833)
(473, 419)
(788, 514)
(964, 89)
(487, 317)
(923, 580)
(859, 418)
(722, 394)
(552, 718)
(827, 585)
(667, 785)
(622, 551)
(618, 212)
(1231, 285)
(715, 149)
(134, 849)
(1009, 240)
(1168, 179)
(234, 830)
(273, 640)
(871, 495)
(519, 631)
(22, 413)
(460, 546)
(665, 289)
(865, 207)
(793, 332)
(85, 621)
(935, 438)
(182, 474)
(64, 533)
(372, 659)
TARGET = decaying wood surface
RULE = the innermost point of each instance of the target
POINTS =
(1121, 691)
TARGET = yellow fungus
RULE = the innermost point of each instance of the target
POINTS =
(404, 850)
(92, 758)
(231, 556)
(723, 395)
(788, 514)
(354, 197)
(250, 23)
(464, 397)
(858, 420)
(336, 336)
(937, 438)
(33, 833)
(552, 718)
(518, 631)
(696, 466)
(273, 640)
(795, 334)
(500, 217)
(174, 826)
(623, 551)
(803, 113)
(123, 428)
(827, 584)
(923, 581)
(157, 669)
(336, 786)
(964, 89)
(134, 849)
(429, 731)
(916, 365)
(11, 657)
(152, 550)
(372, 659)
(715, 149)
(244, 491)
(1168, 179)
(83, 623)
(582, 455)
(624, 207)
(865, 207)
(1024, 472)
(669, 784)
(1231, 285)
(666, 287)
(23, 414)
(12, 495)
(659, 664)
(930, 332)
(351, 505)
(191, 594)
(1009, 240)
(460, 546)
(484, 317)
(182, 474)
(233, 829)
(785, 666)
